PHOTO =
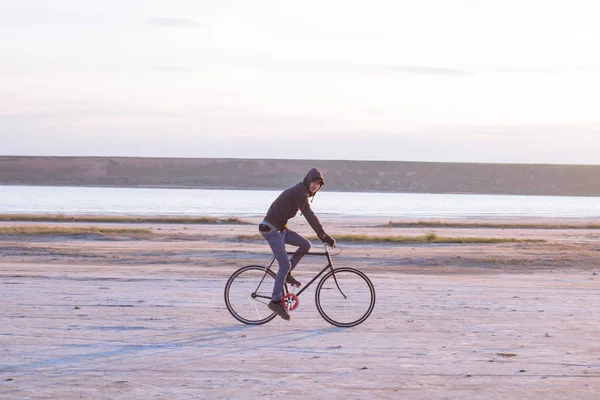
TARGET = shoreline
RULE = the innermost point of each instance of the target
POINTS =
(537, 248)
(253, 219)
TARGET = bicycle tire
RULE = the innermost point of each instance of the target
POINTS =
(240, 291)
(355, 308)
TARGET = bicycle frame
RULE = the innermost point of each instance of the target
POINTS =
(329, 266)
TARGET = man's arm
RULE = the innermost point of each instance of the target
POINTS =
(301, 201)
(316, 225)
(313, 221)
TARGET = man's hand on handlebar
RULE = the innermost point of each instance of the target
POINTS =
(329, 240)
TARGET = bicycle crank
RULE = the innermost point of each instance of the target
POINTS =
(290, 301)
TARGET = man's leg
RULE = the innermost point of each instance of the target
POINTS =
(303, 245)
(301, 242)
(277, 244)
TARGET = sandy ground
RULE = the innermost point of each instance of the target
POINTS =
(92, 318)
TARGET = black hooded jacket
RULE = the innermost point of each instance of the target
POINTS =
(291, 200)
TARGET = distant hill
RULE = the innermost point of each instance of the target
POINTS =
(373, 176)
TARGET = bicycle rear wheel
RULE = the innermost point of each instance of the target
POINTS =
(247, 294)
(347, 302)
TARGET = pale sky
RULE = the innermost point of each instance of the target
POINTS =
(428, 80)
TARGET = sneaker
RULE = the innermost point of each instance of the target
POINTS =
(277, 308)
(290, 279)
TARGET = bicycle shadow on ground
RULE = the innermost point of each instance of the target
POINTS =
(248, 343)
(198, 344)
(219, 341)
(130, 348)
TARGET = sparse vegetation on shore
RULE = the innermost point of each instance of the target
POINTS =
(120, 219)
(56, 230)
(428, 238)
(440, 224)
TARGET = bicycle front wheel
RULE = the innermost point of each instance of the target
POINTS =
(247, 294)
(345, 297)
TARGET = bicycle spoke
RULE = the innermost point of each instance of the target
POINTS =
(241, 294)
(347, 303)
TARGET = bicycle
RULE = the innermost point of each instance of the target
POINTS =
(344, 296)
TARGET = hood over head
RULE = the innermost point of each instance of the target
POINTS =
(311, 176)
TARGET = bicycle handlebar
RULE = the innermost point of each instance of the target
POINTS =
(335, 247)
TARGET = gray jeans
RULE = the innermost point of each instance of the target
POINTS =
(277, 240)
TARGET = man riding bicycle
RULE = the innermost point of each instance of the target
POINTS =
(276, 232)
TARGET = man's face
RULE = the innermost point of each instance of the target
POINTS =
(314, 185)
